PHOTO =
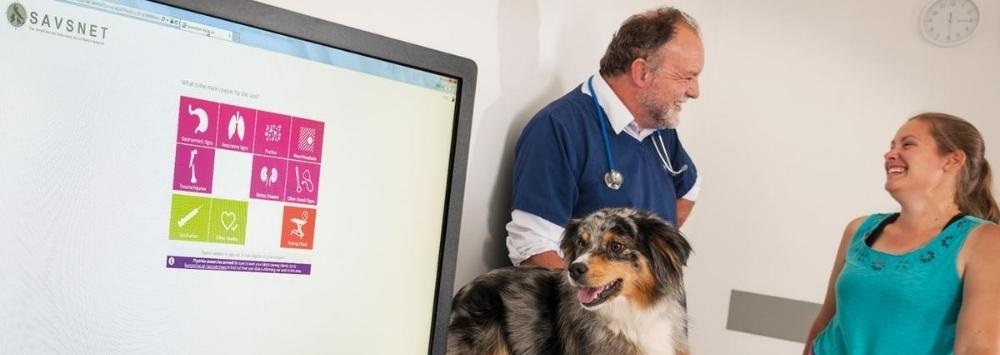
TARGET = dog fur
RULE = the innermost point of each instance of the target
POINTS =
(622, 293)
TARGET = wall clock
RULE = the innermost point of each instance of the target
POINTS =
(949, 23)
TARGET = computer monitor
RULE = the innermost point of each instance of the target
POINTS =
(193, 176)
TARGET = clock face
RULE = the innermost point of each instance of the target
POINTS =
(949, 22)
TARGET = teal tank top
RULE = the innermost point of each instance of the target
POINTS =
(897, 304)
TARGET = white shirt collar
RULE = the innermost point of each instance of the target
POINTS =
(618, 115)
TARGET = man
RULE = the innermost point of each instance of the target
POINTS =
(579, 154)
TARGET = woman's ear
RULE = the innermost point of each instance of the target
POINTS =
(955, 160)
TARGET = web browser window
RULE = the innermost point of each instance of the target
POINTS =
(176, 183)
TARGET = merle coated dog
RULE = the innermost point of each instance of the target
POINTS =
(623, 293)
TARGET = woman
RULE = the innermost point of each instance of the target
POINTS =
(925, 280)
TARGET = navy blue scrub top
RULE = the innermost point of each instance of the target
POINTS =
(560, 162)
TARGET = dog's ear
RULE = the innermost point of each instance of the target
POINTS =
(569, 237)
(669, 249)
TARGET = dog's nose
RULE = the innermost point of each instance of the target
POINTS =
(577, 269)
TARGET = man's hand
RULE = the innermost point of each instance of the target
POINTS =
(549, 260)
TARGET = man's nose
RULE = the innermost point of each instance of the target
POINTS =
(694, 90)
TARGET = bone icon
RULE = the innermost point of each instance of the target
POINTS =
(194, 153)
(237, 126)
(202, 116)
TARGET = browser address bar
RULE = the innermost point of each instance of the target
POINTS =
(132, 12)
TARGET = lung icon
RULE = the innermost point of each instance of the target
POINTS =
(237, 126)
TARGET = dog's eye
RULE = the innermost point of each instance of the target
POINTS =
(616, 247)
(580, 243)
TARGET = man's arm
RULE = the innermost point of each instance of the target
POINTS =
(686, 203)
(533, 241)
(684, 207)
(549, 260)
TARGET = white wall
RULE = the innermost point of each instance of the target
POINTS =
(799, 101)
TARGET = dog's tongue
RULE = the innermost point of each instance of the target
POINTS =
(587, 295)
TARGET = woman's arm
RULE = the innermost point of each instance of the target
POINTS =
(830, 302)
(979, 319)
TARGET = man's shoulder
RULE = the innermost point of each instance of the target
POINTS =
(567, 110)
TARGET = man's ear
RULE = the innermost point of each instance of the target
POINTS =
(640, 72)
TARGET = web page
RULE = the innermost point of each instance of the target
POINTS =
(179, 184)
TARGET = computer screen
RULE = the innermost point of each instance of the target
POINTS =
(224, 177)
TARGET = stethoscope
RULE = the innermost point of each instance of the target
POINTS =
(613, 178)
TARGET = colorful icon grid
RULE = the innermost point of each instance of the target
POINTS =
(285, 167)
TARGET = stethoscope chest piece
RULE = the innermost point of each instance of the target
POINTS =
(613, 179)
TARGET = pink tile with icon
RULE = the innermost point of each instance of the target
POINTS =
(197, 121)
(307, 140)
(303, 182)
(267, 178)
(236, 128)
(194, 168)
(272, 134)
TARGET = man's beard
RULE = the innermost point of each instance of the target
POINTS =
(664, 116)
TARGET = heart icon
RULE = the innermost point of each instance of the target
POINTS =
(228, 220)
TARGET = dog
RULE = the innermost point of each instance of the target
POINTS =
(623, 293)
